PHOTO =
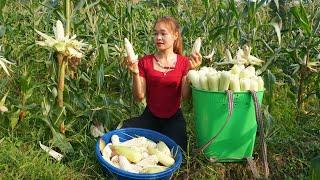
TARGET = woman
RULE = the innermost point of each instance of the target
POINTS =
(161, 79)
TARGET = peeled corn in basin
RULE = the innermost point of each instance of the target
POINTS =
(131, 153)
(163, 159)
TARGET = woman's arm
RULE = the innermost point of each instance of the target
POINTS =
(139, 82)
(185, 88)
(139, 87)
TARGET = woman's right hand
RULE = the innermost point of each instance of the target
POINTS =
(133, 66)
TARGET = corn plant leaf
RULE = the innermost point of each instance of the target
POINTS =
(100, 77)
(78, 6)
(14, 119)
(277, 3)
(300, 15)
(3, 100)
(315, 168)
(2, 4)
(277, 28)
(4, 67)
(60, 141)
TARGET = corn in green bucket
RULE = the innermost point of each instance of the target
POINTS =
(236, 140)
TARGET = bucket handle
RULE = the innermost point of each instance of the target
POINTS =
(230, 110)
(261, 133)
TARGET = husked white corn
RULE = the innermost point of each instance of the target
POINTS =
(260, 84)
(193, 76)
(149, 161)
(162, 147)
(106, 152)
(163, 159)
(213, 81)
(203, 82)
(254, 84)
(115, 140)
(224, 81)
(126, 165)
(130, 52)
(153, 169)
(245, 84)
(102, 144)
(131, 153)
(115, 161)
(234, 83)
(196, 46)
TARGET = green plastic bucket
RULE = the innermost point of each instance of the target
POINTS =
(235, 140)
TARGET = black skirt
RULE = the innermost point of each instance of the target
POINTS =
(173, 127)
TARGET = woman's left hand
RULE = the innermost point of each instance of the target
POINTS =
(195, 61)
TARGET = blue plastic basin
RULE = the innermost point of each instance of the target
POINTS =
(128, 133)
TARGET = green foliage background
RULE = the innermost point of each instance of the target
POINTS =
(100, 90)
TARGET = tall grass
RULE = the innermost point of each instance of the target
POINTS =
(100, 90)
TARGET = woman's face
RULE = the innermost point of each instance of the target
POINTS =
(164, 37)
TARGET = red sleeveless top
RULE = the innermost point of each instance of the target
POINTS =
(163, 89)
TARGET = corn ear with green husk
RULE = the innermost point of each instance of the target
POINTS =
(153, 169)
(131, 153)
(130, 52)
(163, 159)
(196, 46)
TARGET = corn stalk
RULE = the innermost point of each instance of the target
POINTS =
(62, 59)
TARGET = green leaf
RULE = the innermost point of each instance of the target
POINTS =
(60, 141)
(78, 6)
(14, 119)
(277, 28)
(300, 15)
(100, 77)
(315, 168)
(2, 4)
(3, 100)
